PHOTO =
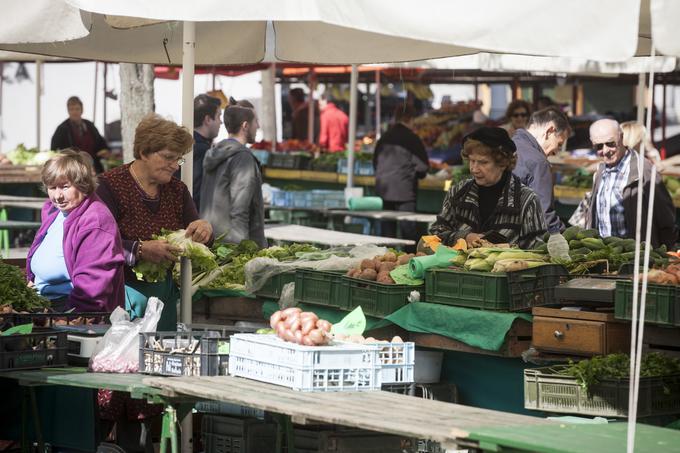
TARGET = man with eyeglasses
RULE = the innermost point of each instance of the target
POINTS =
(613, 207)
(231, 192)
(546, 132)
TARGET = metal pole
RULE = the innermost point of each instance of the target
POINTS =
(38, 103)
(354, 81)
(188, 59)
(94, 104)
(106, 73)
(378, 106)
(663, 121)
(641, 98)
(310, 106)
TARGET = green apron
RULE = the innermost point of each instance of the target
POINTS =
(137, 294)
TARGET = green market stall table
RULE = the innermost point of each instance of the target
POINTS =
(299, 233)
(132, 383)
(380, 411)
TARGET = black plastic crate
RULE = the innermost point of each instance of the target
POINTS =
(535, 287)
(178, 354)
(378, 299)
(289, 161)
(549, 390)
(56, 319)
(273, 286)
(326, 288)
(222, 434)
(662, 306)
(40, 349)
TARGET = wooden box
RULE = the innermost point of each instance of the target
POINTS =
(579, 333)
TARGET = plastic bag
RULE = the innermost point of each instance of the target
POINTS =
(118, 352)
(259, 270)
(287, 298)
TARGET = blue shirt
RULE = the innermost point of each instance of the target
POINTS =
(51, 276)
(610, 215)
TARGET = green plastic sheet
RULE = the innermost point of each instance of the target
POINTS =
(330, 314)
(441, 258)
(401, 276)
(365, 204)
(477, 328)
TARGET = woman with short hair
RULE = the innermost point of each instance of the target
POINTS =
(145, 198)
(76, 259)
(493, 204)
(516, 116)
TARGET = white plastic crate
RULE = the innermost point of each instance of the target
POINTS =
(267, 358)
(397, 361)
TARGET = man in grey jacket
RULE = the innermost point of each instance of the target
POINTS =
(231, 193)
(545, 134)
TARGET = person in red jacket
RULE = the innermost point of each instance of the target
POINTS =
(334, 123)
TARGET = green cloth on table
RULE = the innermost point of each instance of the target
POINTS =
(401, 276)
(477, 328)
(221, 292)
(365, 204)
(441, 258)
(330, 314)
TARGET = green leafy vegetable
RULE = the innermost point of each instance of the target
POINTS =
(29, 156)
(15, 292)
(202, 259)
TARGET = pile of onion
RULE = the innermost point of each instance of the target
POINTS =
(301, 327)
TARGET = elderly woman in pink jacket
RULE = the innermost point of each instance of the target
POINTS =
(76, 259)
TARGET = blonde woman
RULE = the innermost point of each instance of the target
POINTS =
(76, 259)
(633, 135)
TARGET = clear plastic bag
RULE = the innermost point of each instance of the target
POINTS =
(118, 352)
(259, 270)
(287, 298)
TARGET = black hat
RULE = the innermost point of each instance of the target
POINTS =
(494, 137)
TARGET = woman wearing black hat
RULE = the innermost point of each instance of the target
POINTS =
(494, 204)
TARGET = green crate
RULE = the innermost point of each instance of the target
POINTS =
(325, 288)
(485, 290)
(546, 389)
(273, 287)
(378, 299)
(535, 287)
(662, 306)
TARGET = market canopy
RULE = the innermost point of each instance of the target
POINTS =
(317, 31)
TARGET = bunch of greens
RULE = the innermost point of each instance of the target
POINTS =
(202, 259)
(29, 156)
(581, 178)
(232, 266)
(617, 366)
(15, 292)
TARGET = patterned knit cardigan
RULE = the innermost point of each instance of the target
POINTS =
(518, 215)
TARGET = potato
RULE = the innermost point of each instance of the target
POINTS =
(421, 254)
(377, 263)
(390, 256)
(367, 264)
(403, 259)
(368, 274)
(384, 277)
(387, 266)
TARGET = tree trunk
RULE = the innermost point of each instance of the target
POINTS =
(136, 101)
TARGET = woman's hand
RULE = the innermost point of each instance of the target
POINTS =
(199, 231)
(158, 251)
(473, 239)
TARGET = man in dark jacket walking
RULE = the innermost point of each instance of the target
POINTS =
(613, 207)
(207, 120)
(545, 134)
(78, 133)
(400, 160)
(231, 190)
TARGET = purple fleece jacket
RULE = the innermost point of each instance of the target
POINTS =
(93, 253)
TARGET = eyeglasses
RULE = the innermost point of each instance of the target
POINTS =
(179, 160)
(599, 146)
(520, 115)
